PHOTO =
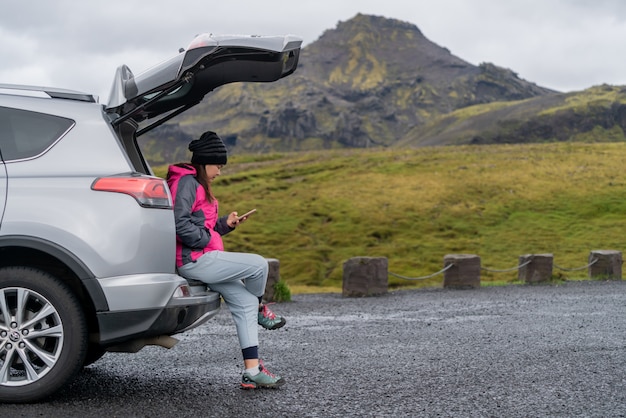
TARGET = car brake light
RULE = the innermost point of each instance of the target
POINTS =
(150, 192)
(202, 40)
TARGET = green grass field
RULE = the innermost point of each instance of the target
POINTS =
(414, 206)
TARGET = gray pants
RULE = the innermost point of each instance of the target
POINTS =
(240, 278)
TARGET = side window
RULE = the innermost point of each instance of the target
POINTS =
(25, 134)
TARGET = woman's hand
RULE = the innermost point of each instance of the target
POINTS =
(233, 220)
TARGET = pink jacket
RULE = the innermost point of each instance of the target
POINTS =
(199, 229)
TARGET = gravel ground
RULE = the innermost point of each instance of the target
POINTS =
(514, 351)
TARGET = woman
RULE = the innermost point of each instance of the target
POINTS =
(239, 277)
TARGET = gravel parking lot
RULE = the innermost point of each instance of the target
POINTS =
(515, 351)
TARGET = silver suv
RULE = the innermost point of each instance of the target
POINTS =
(87, 239)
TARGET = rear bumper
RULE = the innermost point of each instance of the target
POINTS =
(131, 317)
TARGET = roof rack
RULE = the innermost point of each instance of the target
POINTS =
(46, 92)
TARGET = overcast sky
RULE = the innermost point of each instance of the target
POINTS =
(565, 45)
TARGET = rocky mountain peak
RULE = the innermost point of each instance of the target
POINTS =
(367, 82)
(368, 51)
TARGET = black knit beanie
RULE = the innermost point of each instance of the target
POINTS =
(208, 149)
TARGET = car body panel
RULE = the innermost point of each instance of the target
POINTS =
(140, 291)
(3, 188)
(50, 207)
(209, 62)
(118, 327)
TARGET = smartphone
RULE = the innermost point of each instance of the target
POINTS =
(246, 214)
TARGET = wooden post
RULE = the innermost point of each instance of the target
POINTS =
(535, 268)
(607, 264)
(464, 273)
(365, 276)
(273, 277)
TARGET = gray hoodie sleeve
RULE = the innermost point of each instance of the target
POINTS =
(221, 226)
(189, 226)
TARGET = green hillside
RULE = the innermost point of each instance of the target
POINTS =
(592, 115)
(414, 206)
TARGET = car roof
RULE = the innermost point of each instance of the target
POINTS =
(210, 61)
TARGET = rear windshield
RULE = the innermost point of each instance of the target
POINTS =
(25, 134)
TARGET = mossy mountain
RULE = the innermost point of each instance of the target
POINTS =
(374, 81)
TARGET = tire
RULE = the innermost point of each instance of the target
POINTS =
(43, 335)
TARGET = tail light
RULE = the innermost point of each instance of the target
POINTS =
(149, 192)
(202, 40)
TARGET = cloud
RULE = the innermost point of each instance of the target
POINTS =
(561, 44)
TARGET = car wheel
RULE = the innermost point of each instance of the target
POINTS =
(43, 334)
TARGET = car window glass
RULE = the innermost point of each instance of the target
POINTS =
(25, 134)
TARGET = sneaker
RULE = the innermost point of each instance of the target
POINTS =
(269, 320)
(264, 379)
